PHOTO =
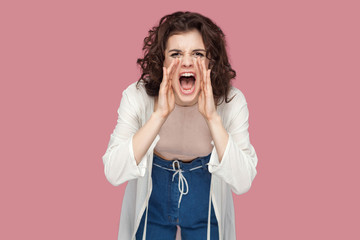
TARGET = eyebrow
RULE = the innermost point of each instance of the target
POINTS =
(195, 50)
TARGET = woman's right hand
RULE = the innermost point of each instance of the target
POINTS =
(165, 102)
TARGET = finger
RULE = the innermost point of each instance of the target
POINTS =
(201, 82)
(171, 67)
(197, 70)
(200, 70)
(202, 97)
(203, 76)
(208, 80)
(175, 68)
(203, 67)
(171, 73)
(200, 100)
(164, 79)
(169, 93)
(169, 85)
(203, 87)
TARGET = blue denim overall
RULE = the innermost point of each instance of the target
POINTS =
(180, 196)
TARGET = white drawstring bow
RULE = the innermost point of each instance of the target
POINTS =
(182, 180)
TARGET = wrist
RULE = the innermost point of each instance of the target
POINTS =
(157, 116)
(213, 119)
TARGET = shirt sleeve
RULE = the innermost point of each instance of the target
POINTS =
(119, 161)
(238, 165)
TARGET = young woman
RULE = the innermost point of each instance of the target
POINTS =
(181, 139)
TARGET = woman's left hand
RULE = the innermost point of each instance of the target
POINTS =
(206, 98)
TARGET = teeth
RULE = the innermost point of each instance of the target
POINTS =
(186, 74)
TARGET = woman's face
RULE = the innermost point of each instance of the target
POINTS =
(187, 46)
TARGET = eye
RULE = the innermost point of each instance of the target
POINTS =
(199, 54)
(174, 55)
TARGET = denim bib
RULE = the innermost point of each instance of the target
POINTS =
(180, 197)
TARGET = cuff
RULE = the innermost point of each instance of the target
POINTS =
(214, 163)
(143, 163)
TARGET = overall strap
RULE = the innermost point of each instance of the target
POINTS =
(144, 233)
(209, 213)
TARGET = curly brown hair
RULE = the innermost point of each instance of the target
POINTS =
(215, 45)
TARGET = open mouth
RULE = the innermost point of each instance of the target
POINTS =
(187, 82)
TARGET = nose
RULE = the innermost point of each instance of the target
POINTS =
(187, 61)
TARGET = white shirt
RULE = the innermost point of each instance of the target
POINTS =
(235, 172)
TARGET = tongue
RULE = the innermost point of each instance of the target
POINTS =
(186, 83)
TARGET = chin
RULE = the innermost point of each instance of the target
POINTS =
(188, 98)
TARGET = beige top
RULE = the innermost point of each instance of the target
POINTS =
(184, 135)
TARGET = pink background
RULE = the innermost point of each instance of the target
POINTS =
(64, 65)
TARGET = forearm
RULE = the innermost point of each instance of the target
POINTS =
(146, 135)
(219, 135)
